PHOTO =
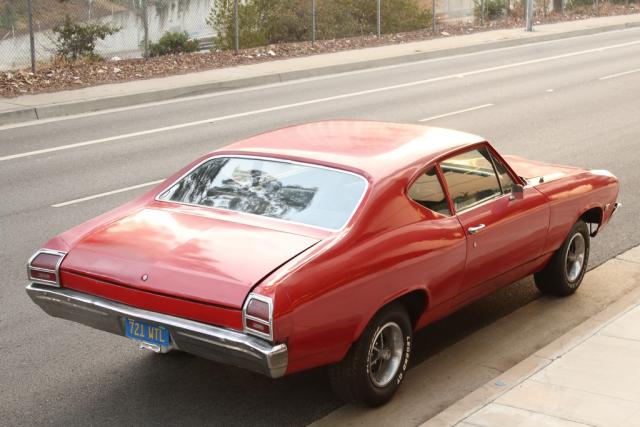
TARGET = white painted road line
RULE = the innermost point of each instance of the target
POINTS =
(314, 101)
(613, 76)
(108, 193)
(453, 113)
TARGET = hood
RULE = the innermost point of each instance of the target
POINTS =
(183, 255)
(539, 172)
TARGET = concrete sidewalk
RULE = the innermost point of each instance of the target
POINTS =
(32, 107)
(588, 377)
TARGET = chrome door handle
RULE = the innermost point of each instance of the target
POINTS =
(474, 230)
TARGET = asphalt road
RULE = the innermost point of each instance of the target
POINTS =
(573, 101)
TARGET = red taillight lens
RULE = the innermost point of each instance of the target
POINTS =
(259, 309)
(43, 267)
(258, 316)
(257, 326)
(43, 275)
(46, 261)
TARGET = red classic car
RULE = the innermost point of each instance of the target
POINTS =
(324, 244)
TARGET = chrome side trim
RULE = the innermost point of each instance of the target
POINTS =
(211, 342)
(273, 159)
(55, 271)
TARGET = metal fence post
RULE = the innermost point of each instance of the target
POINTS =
(529, 17)
(313, 21)
(378, 16)
(482, 13)
(31, 38)
(236, 28)
(433, 16)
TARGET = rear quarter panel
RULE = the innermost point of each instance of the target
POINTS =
(396, 248)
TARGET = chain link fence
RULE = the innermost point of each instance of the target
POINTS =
(297, 20)
(127, 15)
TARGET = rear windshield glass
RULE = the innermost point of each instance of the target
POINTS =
(290, 191)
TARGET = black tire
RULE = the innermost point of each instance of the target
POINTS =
(353, 380)
(560, 276)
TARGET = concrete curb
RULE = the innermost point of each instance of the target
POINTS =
(18, 115)
(510, 379)
(22, 114)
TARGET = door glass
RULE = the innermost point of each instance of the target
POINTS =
(427, 191)
(506, 182)
(470, 178)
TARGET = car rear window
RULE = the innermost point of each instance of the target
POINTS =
(296, 192)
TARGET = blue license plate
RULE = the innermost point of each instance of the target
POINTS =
(147, 332)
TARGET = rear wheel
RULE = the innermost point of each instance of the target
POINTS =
(376, 364)
(563, 274)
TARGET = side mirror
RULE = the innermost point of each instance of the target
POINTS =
(517, 192)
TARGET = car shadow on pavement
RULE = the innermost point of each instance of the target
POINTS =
(181, 389)
(440, 335)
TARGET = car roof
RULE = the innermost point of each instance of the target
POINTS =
(376, 149)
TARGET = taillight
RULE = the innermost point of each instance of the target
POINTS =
(43, 267)
(257, 316)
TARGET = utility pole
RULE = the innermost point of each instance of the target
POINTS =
(32, 42)
(378, 16)
(482, 13)
(145, 24)
(433, 16)
(236, 27)
(529, 22)
(313, 21)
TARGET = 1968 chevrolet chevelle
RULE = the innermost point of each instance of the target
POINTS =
(324, 244)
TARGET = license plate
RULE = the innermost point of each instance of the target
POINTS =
(147, 332)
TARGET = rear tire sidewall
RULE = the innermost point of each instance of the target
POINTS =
(372, 394)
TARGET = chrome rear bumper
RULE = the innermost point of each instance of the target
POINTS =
(211, 342)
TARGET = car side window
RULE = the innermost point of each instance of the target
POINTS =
(471, 178)
(506, 182)
(427, 191)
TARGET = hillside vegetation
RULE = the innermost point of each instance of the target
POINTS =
(265, 22)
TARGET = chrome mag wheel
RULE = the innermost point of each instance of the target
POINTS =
(385, 354)
(574, 262)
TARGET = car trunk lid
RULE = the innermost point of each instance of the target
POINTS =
(186, 256)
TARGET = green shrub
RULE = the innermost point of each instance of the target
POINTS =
(264, 22)
(493, 9)
(171, 43)
(75, 40)
(400, 16)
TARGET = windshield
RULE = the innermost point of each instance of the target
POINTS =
(294, 192)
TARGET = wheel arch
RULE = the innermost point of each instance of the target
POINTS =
(415, 301)
(593, 215)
